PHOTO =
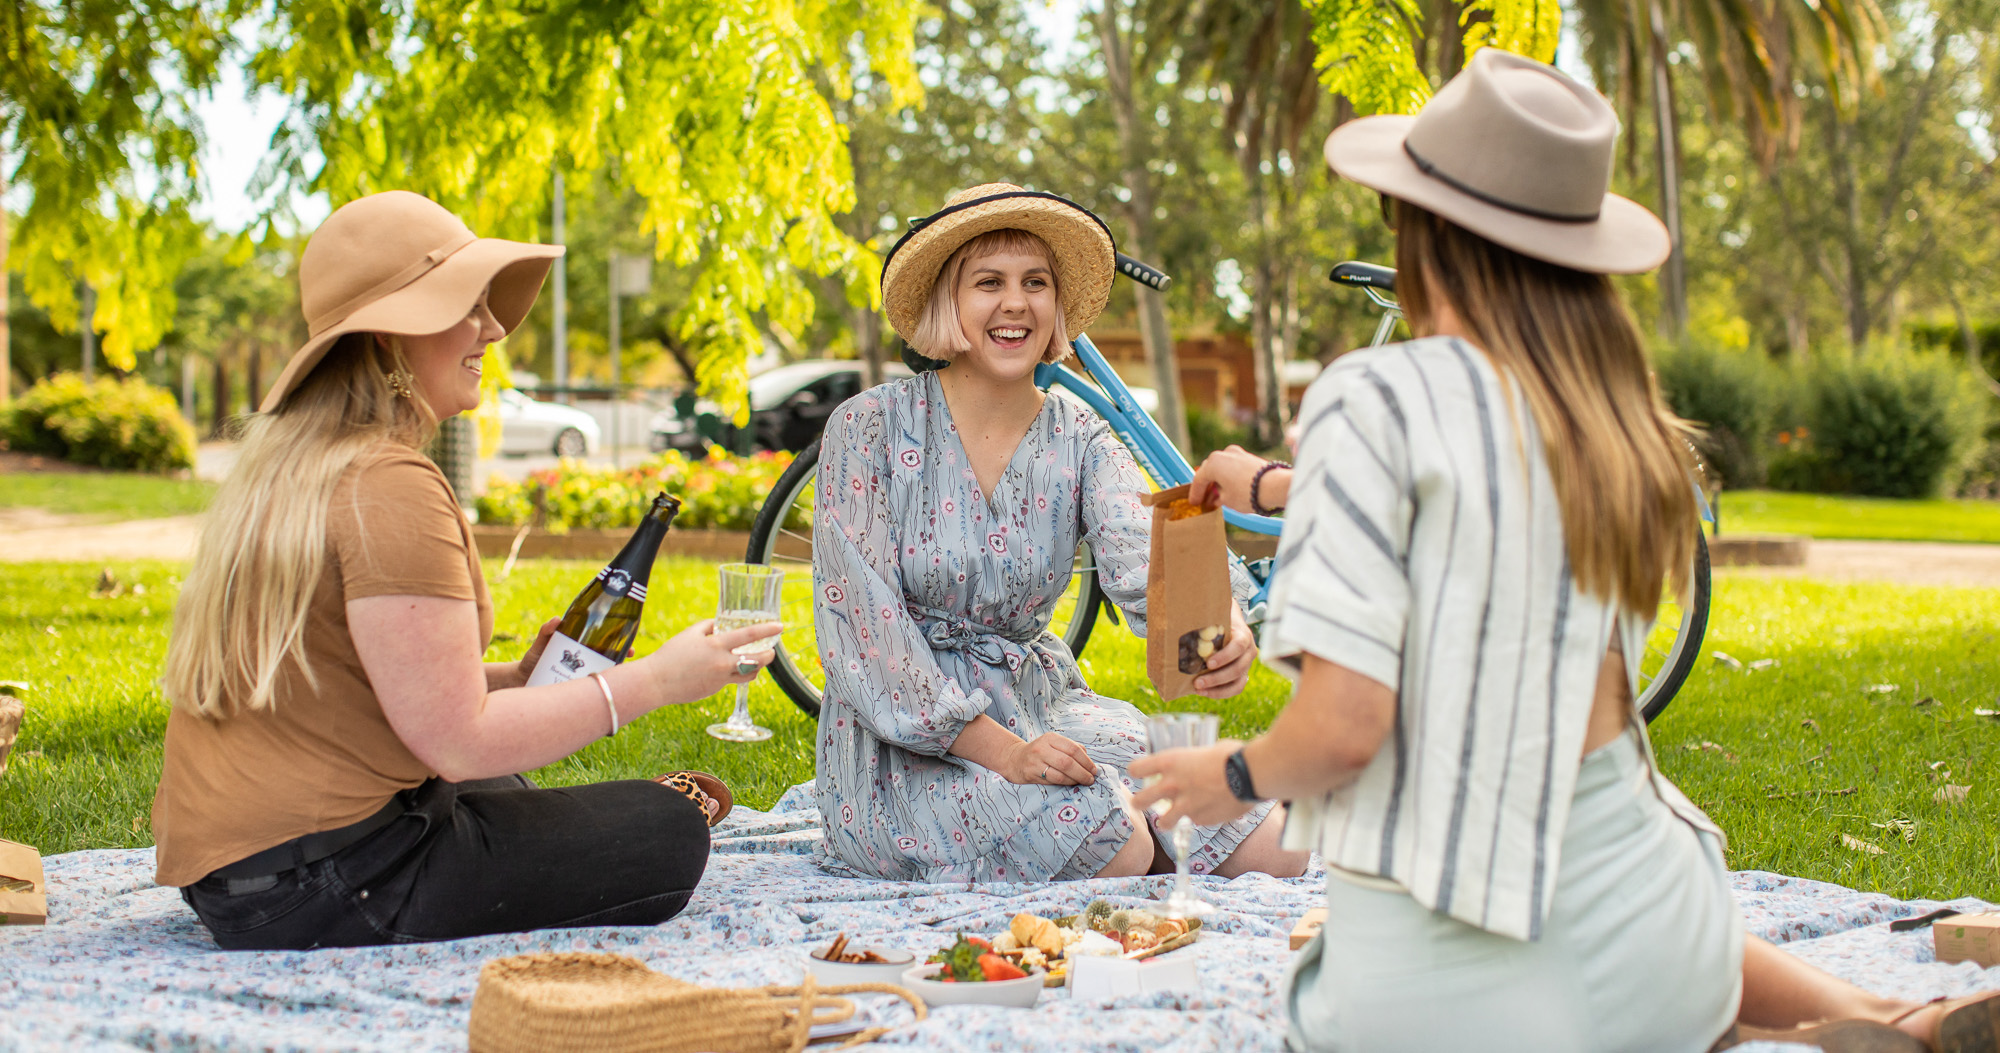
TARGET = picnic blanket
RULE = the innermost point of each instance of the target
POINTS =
(124, 964)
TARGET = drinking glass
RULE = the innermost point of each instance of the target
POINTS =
(750, 595)
(1172, 731)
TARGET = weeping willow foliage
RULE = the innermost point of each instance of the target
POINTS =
(1371, 51)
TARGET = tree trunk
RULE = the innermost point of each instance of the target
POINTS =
(1667, 152)
(219, 425)
(1137, 149)
(867, 326)
(6, 362)
(1971, 340)
(253, 377)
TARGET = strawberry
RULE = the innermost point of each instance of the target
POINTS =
(998, 968)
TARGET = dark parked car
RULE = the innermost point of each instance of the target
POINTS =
(789, 406)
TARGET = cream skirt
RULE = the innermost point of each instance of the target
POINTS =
(1643, 950)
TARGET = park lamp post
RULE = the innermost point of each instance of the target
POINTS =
(630, 276)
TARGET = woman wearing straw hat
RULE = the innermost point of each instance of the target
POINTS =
(959, 741)
(1478, 528)
(338, 757)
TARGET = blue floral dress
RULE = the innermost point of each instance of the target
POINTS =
(933, 607)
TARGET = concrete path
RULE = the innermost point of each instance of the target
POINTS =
(1910, 562)
(31, 534)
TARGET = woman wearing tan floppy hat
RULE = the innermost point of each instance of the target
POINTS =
(958, 740)
(338, 758)
(1478, 529)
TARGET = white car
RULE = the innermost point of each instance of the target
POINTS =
(528, 426)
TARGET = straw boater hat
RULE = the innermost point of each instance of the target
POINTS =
(399, 263)
(1517, 153)
(1086, 259)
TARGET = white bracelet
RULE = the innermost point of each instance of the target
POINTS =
(608, 704)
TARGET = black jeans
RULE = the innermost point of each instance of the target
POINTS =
(468, 859)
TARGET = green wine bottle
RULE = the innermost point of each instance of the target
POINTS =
(601, 623)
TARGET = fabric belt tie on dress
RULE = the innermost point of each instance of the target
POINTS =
(947, 633)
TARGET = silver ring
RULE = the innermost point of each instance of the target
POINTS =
(746, 666)
(1045, 773)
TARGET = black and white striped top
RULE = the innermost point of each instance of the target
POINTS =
(1423, 548)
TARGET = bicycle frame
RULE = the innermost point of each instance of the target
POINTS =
(1139, 431)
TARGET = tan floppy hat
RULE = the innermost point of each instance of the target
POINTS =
(400, 263)
(1512, 150)
(1086, 257)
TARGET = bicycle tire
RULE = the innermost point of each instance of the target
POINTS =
(771, 529)
(1686, 648)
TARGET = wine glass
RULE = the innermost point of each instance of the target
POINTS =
(1172, 731)
(750, 596)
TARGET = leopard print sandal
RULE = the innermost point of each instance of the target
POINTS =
(708, 793)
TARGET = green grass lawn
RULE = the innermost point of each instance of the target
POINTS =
(104, 495)
(89, 755)
(1865, 518)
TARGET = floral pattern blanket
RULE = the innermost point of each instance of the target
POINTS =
(123, 964)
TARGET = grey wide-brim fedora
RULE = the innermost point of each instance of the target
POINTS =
(1516, 152)
(402, 264)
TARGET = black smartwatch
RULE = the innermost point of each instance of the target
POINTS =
(1237, 773)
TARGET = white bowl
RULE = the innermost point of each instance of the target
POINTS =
(888, 972)
(1020, 993)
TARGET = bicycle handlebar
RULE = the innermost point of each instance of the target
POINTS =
(1144, 274)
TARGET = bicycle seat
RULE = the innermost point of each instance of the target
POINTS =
(1365, 276)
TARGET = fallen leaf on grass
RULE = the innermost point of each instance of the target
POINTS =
(1906, 827)
(1726, 659)
(1879, 689)
(137, 822)
(1986, 713)
(1762, 663)
(1949, 794)
(1859, 845)
(1809, 724)
(1711, 747)
(1924, 701)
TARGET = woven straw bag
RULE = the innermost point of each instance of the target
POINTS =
(576, 1002)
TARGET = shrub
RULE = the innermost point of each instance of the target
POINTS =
(1209, 431)
(124, 424)
(1727, 393)
(719, 491)
(1884, 424)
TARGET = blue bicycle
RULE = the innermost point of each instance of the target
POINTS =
(782, 535)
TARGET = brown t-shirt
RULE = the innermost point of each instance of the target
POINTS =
(320, 758)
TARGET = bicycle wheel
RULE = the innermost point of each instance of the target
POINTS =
(782, 537)
(1676, 640)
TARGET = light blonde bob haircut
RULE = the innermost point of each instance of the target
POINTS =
(1620, 460)
(939, 334)
(242, 614)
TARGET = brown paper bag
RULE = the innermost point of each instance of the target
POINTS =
(24, 894)
(1187, 594)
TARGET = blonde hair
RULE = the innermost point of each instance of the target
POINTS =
(242, 613)
(1619, 458)
(939, 334)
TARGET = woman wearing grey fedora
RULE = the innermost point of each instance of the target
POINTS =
(1477, 533)
(338, 757)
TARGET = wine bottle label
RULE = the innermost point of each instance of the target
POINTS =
(618, 583)
(565, 659)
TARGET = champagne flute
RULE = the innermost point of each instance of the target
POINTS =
(750, 596)
(1171, 731)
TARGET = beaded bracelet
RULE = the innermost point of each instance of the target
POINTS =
(1256, 481)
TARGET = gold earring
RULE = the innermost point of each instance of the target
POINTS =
(399, 381)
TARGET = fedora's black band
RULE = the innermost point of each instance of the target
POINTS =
(1431, 170)
(921, 222)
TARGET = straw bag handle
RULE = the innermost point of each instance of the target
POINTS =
(810, 992)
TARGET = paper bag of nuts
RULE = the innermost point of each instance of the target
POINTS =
(1188, 601)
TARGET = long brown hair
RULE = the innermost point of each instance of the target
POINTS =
(242, 614)
(1619, 458)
